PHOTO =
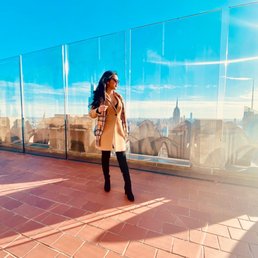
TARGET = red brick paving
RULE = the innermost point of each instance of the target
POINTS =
(58, 208)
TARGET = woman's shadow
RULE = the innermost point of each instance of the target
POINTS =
(40, 198)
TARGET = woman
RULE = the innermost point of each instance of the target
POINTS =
(111, 129)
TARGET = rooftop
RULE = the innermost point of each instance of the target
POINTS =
(58, 208)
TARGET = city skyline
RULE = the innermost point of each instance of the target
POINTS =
(78, 94)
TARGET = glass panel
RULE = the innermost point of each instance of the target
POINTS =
(179, 84)
(175, 78)
(44, 102)
(10, 105)
(241, 96)
(87, 61)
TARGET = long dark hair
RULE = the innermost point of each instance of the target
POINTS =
(99, 93)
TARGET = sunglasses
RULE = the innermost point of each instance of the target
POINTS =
(115, 80)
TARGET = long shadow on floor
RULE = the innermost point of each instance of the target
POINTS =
(47, 199)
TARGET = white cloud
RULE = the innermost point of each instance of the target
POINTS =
(41, 89)
(199, 108)
(155, 58)
(9, 84)
(164, 109)
(244, 22)
(169, 86)
(83, 87)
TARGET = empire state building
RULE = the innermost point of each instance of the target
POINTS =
(176, 114)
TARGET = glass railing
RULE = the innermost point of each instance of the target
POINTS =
(10, 105)
(44, 116)
(189, 85)
(87, 61)
(174, 85)
(240, 119)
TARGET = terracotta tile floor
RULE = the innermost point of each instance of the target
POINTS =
(57, 208)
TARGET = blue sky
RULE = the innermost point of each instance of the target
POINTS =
(30, 25)
(162, 70)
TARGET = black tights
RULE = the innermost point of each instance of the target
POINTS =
(121, 158)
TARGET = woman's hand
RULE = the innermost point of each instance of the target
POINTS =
(102, 108)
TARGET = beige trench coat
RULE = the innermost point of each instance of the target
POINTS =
(113, 136)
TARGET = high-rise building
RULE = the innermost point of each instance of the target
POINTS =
(176, 114)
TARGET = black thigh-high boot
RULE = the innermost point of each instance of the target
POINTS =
(105, 157)
(121, 157)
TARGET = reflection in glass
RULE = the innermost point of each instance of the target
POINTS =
(190, 85)
(240, 104)
(87, 61)
(175, 80)
(44, 102)
(10, 105)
